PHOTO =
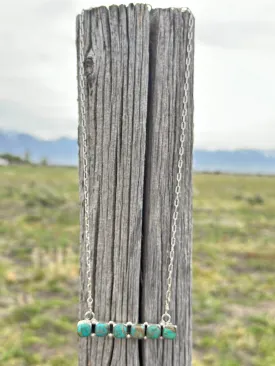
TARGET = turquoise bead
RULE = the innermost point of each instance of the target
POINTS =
(102, 329)
(84, 328)
(170, 332)
(153, 331)
(120, 331)
(138, 331)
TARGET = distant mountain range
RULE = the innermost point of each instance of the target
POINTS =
(236, 161)
(64, 151)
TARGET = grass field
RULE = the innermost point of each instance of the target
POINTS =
(233, 268)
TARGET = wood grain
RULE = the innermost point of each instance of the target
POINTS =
(167, 65)
(135, 62)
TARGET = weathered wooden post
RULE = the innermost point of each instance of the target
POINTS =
(135, 67)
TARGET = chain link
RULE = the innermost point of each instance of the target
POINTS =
(166, 316)
(82, 96)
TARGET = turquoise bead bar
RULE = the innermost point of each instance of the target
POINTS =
(86, 328)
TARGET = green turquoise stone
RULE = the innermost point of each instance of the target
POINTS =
(84, 328)
(102, 329)
(120, 331)
(170, 332)
(153, 331)
(138, 331)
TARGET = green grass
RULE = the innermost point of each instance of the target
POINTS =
(233, 268)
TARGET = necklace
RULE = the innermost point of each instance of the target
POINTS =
(90, 326)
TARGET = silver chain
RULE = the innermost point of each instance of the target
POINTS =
(82, 96)
(82, 80)
(166, 316)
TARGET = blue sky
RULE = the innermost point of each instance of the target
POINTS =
(234, 70)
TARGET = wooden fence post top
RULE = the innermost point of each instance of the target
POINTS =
(135, 68)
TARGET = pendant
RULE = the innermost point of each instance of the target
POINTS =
(92, 327)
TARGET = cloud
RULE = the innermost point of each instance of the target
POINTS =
(16, 117)
(234, 85)
(238, 35)
(54, 9)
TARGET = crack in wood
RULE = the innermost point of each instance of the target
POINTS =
(135, 70)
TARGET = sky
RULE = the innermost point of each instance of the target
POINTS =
(234, 69)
